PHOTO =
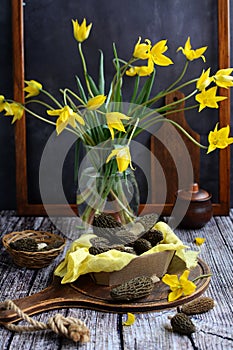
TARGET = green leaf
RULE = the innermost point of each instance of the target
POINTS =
(116, 61)
(146, 89)
(116, 88)
(135, 91)
(149, 87)
(81, 90)
(101, 74)
(109, 96)
(93, 86)
(117, 92)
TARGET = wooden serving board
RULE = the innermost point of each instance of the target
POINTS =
(84, 293)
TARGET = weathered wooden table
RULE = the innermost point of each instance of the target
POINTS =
(214, 328)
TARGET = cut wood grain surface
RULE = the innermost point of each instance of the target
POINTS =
(150, 331)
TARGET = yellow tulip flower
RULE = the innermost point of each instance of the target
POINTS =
(95, 102)
(223, 78)
(179, 287)
(141, 51)
(219, 138)
(114, 122)
(66, 116)
(208, 98)
(205, 80)
(2, 103)
(14, 109)
(33, 88)
(190, 53)
(81, 31)
(123, 158)
(156, 54)
(142, 71)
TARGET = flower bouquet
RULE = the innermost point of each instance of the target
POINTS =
(105, 124)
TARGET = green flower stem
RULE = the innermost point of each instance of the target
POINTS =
(72, 104)
(84, 69)
(167, 107)
(183, 131)
(133, 131)
(119, 74)
(124, 205)
(202, 276)
(98, 126)
(73, 94)
(39, 102)
(180, 77)
(176, 102)
(88, 140)
(163, 94)
(180, 110)
(177, 88)
(52, 98)
(150, 123)
(107, 185)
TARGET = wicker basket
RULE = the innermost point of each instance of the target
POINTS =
(38, 259)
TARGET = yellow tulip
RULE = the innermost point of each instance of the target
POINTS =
(114, 122)
(219, 138)
(190, 53)
(223, 78)
(66, 116)
(142, 71)
(179, 286)
(33, 88)
(156, 54)
(205, 80)
(95, 102)
(208, 98)
(2, 103)
(14, 109)
(81, 31)
(123, 158)
(142, 50)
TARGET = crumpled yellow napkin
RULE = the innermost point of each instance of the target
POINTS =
(78, 261)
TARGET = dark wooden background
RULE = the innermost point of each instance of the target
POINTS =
(52, 58)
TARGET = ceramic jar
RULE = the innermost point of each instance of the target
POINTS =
(199, 211)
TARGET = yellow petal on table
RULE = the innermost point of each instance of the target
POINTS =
(199, 240)
(130, 319)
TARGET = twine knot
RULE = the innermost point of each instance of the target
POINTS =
(69, 327)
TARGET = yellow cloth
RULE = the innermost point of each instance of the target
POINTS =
(78, 261)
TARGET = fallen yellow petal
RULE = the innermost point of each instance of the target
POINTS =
(130, 319)
(199, 240)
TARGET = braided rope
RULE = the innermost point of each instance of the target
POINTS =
(69, 327)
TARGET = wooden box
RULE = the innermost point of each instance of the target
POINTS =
(146, 265)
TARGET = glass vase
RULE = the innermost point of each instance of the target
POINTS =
(103, 189)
